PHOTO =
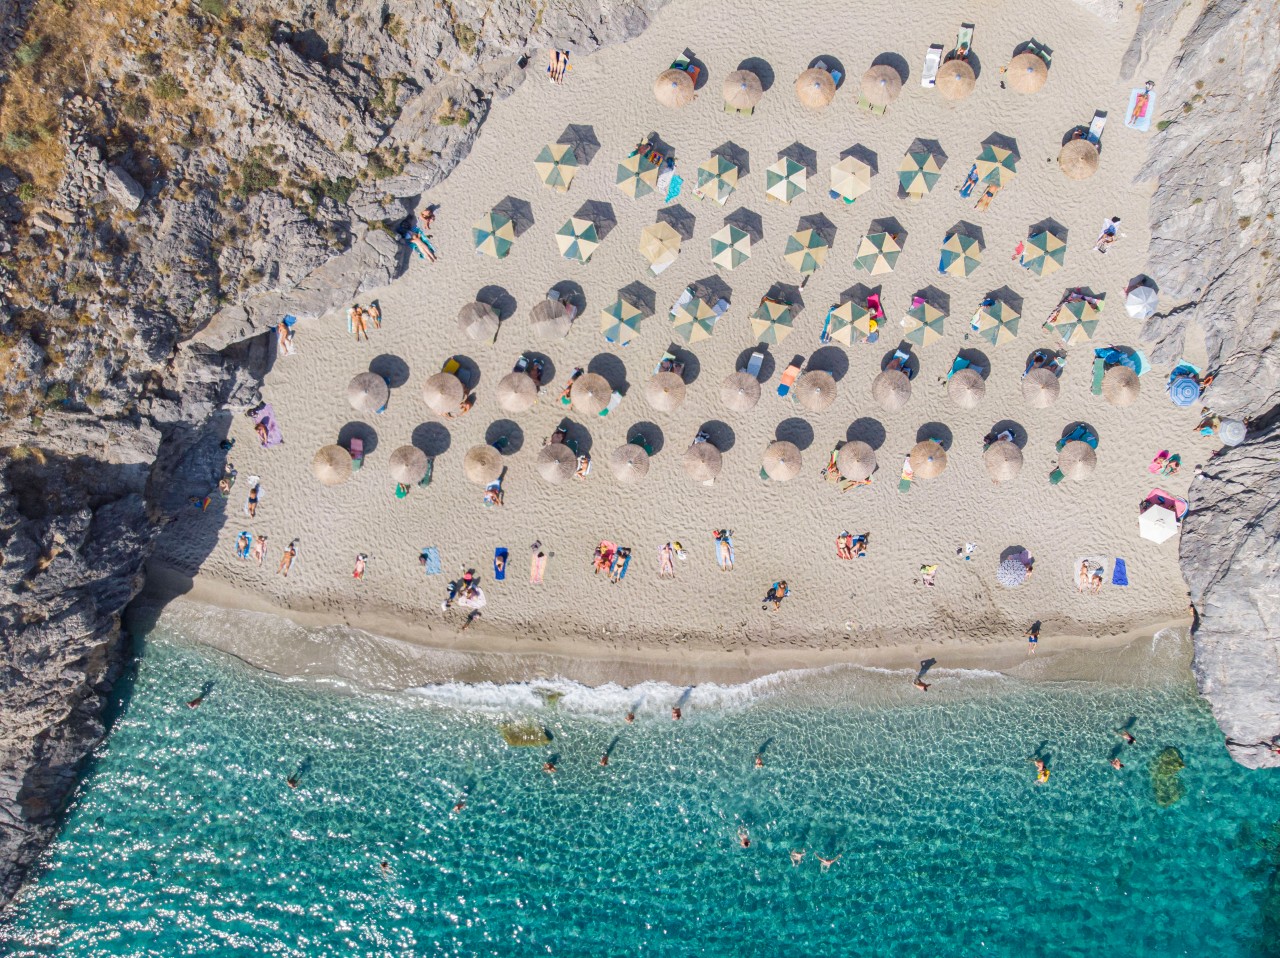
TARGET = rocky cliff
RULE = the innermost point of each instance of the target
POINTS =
(1215, 167)
(177, 174)
(225, 165)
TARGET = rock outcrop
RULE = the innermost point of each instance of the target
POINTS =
(1216, 166)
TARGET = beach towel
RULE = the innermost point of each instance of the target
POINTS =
(1120, 574)
(537, 563)
(253, 483)
(432, 556)
(242, 550)
(908, 474)
(673, 188)
(500, 568)
(927, 574)
(1094, 565)
(1099, 370)
(1141, 123)
(625, 559)
(266, 416)
(725, 562)
(476, 601)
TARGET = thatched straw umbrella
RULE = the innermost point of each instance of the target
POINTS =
(557, 462)
(955, 79)
(742, 90)
(966, 388)
(368, 393)
(664, 391)
(629, 462)
(482, 464)
(928, 459)
(1120, 386)
(1003, 460)
(782, 460)
(549, 319)
(1040, 388)
(1079, 159)
(701, 462)
(740, 391)
(815, 88)
(881, 85)
(332, 465)
(1077, 460)
(891, 389)
(674, 88)
(815, 390)
(479, 321)
(1026, 73)
(856, 460)
(517, 392)
(590, 393)
(443, 393)
(408, 465)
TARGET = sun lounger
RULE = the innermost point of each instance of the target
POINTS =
(1096, 127)
(788, 380)
(614, 399)
(754, 364)
(960, 363)
(431, 560)
(1099, 369)
(745, 111)
(1056, 477)
(500, 567)
(932, 60)
(873, 305)
(1142, 121)
(984, 201)
(357, 454)
(970, 182)
(964, 41)
(908, 475)
(866, 104)
(1079, 434)
(668, 364)
(721, 307)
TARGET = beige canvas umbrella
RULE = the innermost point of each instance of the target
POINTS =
(856, 461)
(742, 90)
(966, 388)
(590, 393)
(629, 462)
(443, 393)
(881, 85)
(1040, 388)
(659, 245)
(850, 178)
(815, 390)
(928, 460)
(1003, 460)
(955, 79)
(674, 88)
(549, 319)
(740, 391)
(664, 391)
(482, 464)
(1026, 73)
(782, 461)
(815, 88)
(1077, 460)
(891, 389)
(479, 321)
(701, 462)
(368, 393)
(557, 462)
(1120, 386)
(332, 465)
(517, 392)
(1079, 159)
(408, 465)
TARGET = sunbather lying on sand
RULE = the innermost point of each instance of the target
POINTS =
(286, 560)
(259, 550)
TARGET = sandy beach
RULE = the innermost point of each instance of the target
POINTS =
(838, 610)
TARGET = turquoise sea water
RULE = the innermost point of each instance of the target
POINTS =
(185, 839)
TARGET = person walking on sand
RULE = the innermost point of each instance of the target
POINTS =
(828, 862)
(1033, 638)
(286, 560)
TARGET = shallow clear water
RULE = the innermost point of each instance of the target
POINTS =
(185, 839)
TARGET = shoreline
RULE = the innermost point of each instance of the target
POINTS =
(432, 654)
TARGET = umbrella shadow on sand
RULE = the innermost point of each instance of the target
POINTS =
(613, 369)
(1002, 142)
(897, 62)
(640, 296)
(679, 219)
(582, 138)
(505, 435)
(830, 359)
(650, 432)
(432, 438)
(762, 69)
(719, 433)
(748, 221)
(601, 214)
(865, 155)
(767, 368)
(972, 230)
(497, 297)
(830, 64)
(736, 155)
(795, 430)
(359, 430)
(868, 430)
(937, 432)
(936, 298)
(805, 156)
(1018, 431)
(519, 211)
(820, 225)
(391, 368)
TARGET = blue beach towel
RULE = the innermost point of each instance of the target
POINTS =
(500, 571)
(1120, 574)
(432, 555)
(673, 188)
(1143, 123)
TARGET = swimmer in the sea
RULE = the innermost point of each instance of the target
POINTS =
(1042, 771)
(1124, 734)
(743, 838)
(675, 713)
(631, 717)
(549, 767)
(1117, 764)
(828, 862)
(759, 761)
(604, 759)
(796, 857)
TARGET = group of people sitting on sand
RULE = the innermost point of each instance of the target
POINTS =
(613, 560)
(849, 546)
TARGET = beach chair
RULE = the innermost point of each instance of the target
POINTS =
(932, 60)
(1096, 127)
(987, 196)
(357, 454)
(960, 363)
(964, 42)
(755, 364)
(745, 111)
(970, 181)
(904, 358)
(669, 364)
(873, 305)
(868, 105)
(614, 399)
(639, 440)
(1099, 368)
(1079, 434)
(1056, 477)
(789, 376)
(426, 476)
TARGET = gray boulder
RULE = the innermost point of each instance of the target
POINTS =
(123, 188)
